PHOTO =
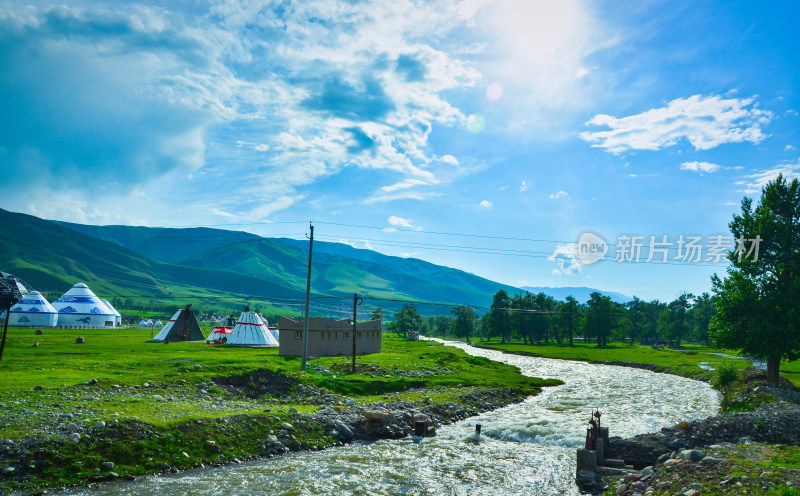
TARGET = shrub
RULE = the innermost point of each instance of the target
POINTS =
(724, 378)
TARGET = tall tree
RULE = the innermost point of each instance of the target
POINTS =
(465, 322)
(634, 317)
(673, 319)
(758, 303)
(407, 319)
(501, 320)
(572, 307)
(599, 318)
(701, 313)
(377, 314)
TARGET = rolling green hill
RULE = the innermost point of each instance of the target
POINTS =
(164, 262)
(52, 258)
(338, 269)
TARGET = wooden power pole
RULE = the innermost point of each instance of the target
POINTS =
(308, 299)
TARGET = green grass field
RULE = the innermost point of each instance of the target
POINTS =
(123, 357)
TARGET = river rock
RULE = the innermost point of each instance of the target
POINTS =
(378, 415)
(74, 437)
(9, 470)
(344, 431)
(72, 427)
(292, 410)
(350, 402)
(692, 455)
(107, 465)
(99, 425)
(287, 426)
(684, 426)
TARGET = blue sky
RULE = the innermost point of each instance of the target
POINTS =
(536, 121)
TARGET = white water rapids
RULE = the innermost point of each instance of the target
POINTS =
(527, 448)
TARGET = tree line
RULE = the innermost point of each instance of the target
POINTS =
(541, 319)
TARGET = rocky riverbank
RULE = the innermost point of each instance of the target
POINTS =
(748, 452)
(80, 447)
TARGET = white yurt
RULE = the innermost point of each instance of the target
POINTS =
(158, 324)
(33, 310)
(118, 319)
(250, 330)
(275, 333)
(142, 323)
(80, 307)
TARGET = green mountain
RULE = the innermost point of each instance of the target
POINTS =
(52, 258)
(338, 269)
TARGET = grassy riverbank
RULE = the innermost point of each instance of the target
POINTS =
(147, 407)
(685, 362)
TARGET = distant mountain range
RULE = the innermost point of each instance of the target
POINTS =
(166, 262)
(579, 293)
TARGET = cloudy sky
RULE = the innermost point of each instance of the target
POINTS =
(482, 135)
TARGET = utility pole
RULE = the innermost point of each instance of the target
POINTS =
(308, 299)
(356, 301)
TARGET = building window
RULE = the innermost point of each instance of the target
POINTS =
(347, 335)
(336, 335)
(359, 335)
(298, 335)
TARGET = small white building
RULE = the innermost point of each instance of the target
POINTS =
(81, 307)
(33, 310)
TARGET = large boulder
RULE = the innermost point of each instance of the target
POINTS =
(378, 415)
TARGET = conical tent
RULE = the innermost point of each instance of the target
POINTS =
(80, 307)
(33, 310)
(275, 333)
(250, 330)
(182, 326)
(117, 315)
(143, 323)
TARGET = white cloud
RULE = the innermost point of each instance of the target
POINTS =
(706, 122)
(486, 204)
(523, 186)
(560, 194)
(408, 255)
(701, 167)
(755, 182)
(400, 221)
(448, 159)
(566, 256)
(581, 72)
(789, 148)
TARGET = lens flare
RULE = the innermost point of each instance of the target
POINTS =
(476, 123)
(494, 92)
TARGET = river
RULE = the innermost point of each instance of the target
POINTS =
(526, 448)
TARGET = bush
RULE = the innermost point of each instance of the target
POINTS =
(724, 378)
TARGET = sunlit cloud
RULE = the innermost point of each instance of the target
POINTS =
(700, 167)
(755, 182)
(560, 194)
(566, 257)
(705, 122)
(486, 204)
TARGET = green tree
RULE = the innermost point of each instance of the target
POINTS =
(672, 321)
(378, 314)
(572, 315)
(465, 322)
(501, 320)
(634, 317)
(701, 313)
(599, 318)
(407, 319)
(758, 303)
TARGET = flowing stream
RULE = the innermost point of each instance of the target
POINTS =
(527, 448)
